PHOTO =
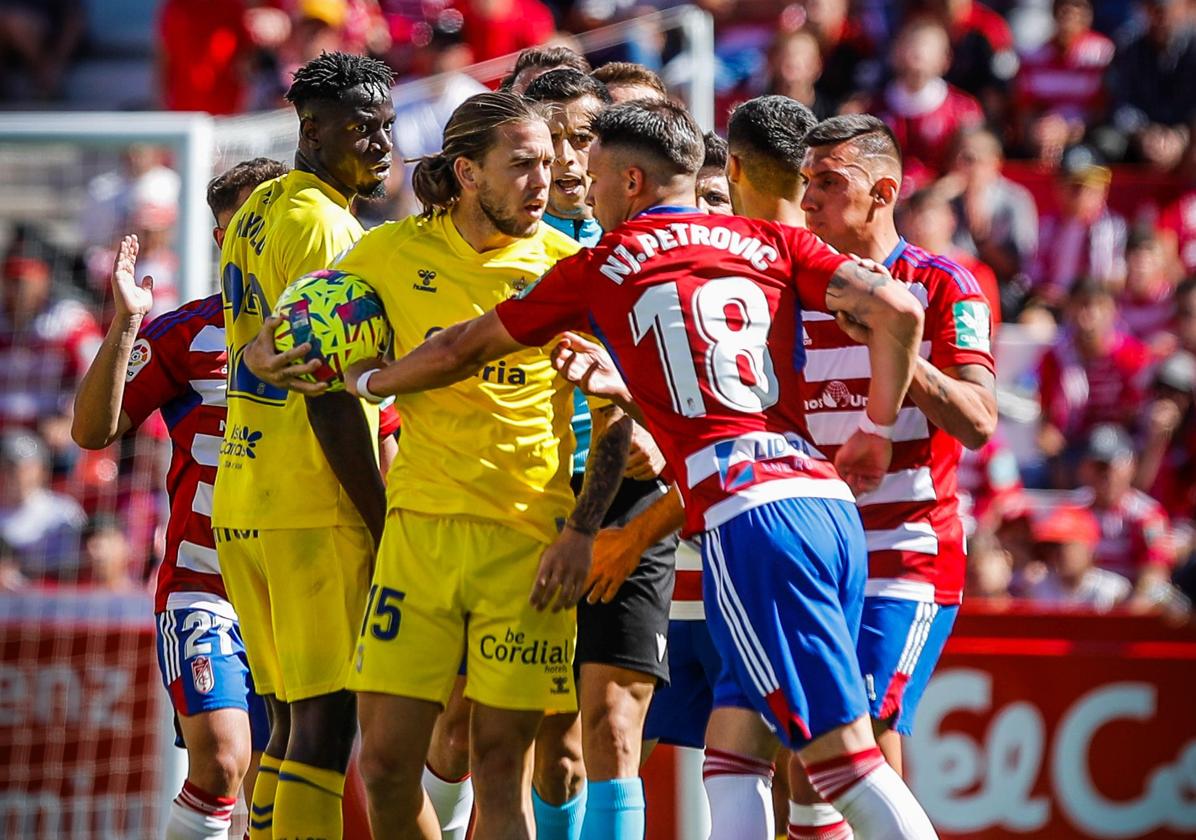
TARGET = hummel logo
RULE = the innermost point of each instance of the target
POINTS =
(426, 277)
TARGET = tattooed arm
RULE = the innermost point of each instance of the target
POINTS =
(565, 565)
(892, 318)
(959, 400)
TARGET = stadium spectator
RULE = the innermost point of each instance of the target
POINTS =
(1067, 538)
(153, 222)
(794, 69)
(849, 62)
(11, 579)
(996, 218)
(1092, 374)
(928, 222)
(990, 569)
(1146, 305)
(1133, 528)
(1168, 457)
(1150, 83)
(923, 109)
(982, 57)
(41, 527)
(626, 81)
(46, 342)
(1177, 226)
(1084, 238)
(990, 485)
(143, 178)
(108, 560)
(1184, 326)
(42, 36)
(1060, 86)
(494, 28)
(203, 56)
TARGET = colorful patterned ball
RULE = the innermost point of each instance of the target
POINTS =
(340, 315)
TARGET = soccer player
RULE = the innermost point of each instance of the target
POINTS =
(176, 363)
(695, 308)
(916, 558)
(536, 61)
(714, 193)
(627, 81)
(299, 503)
(765, 148)
(480, 511)
(622, 624)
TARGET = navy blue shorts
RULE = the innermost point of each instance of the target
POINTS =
(783, 585)
(202, 660)
(900, 645)
(680, 710)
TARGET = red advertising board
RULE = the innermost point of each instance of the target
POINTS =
(79, 729)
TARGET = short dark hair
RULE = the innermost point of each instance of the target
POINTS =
(871, 135)
(1087, 286)
(716, 151)
(550, 57)
(656, 127)
(566, 84)
(226, 188)
(629, 73)
(329, 76)
(768, 135)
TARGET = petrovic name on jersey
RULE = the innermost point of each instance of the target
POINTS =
(625, 259)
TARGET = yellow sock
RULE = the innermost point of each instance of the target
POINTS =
(308, 803)
(261, 809)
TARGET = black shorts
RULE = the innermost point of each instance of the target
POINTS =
(632, 630)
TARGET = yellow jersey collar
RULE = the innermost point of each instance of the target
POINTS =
(310, 179)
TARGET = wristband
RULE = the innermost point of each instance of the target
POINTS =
(868, 427)
(363, 387)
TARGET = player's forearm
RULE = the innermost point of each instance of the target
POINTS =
(658, 520)
(451, 355)
(97, 420)
(896, 333)
(604, 473)
(344, 435)
(966, 410)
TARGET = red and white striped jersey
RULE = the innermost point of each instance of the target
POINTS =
(912, 524)
(178, 365)
(700, 314)
(1066, 81)
(687, 604)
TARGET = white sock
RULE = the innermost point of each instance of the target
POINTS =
(880, 807)
(817, 822)
(740, 792)
(452, 801)
(195, 815)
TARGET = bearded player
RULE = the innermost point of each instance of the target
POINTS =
(694, 308)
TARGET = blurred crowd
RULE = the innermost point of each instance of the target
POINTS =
(1048, 150)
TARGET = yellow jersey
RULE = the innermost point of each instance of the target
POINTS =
(272, 472)
(496, 446)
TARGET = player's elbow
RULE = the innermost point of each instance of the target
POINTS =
(980, 430)
(88, 435)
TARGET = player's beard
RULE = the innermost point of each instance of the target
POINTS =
(376, 192)
(505, 223)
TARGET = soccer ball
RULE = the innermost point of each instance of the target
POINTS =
(340, 315)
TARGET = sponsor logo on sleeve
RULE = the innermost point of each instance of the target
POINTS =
(973, 326)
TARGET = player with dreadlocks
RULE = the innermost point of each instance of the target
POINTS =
(297, 508)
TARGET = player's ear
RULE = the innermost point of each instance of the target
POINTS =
(886, 191)
(633, 178)
(734, 168)
(463, 168)
(309, 129)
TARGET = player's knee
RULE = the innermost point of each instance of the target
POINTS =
(386, 769)
(218, 771)
(613, 737)
(559, 778)
(322, 731)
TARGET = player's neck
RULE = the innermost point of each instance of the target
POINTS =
(663, 197)
(874, 243)
(476, 229)
(309, 163)
(774, 208)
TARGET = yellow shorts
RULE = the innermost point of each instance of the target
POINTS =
(299, 594)
(448, 587)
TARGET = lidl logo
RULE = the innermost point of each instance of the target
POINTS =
(973, 325)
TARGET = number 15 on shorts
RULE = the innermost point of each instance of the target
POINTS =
(382, 615)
